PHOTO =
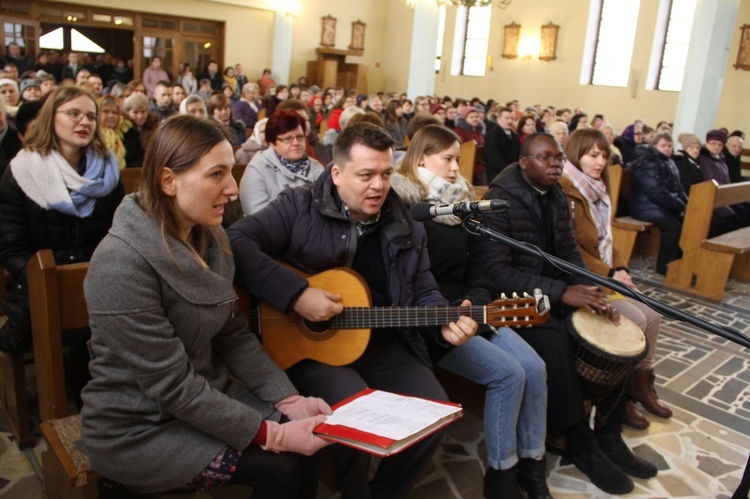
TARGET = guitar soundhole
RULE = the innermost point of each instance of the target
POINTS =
(318, 330)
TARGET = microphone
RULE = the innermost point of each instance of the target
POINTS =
(422, 212)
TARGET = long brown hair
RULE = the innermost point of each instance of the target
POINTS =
(41, 136)
(432, 139)
(581, 141)
(178, 144)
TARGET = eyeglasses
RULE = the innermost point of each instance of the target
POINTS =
(290, 139)
(77, 115)
(547, 160)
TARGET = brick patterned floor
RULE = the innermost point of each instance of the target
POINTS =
(700, 452)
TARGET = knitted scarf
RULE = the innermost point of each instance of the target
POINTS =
(113, 139)
(299, 167)
(53, 184)
(595, 193)
(441, 191)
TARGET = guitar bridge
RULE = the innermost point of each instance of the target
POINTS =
(542, 302)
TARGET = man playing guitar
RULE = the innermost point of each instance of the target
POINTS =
(350, 219)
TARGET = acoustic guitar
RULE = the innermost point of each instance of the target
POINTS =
(343, 338)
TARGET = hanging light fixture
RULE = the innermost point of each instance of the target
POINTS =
(466, 3)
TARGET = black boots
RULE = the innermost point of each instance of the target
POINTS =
(532, 479)
(620, 454)
(602, 472)
(501, 484)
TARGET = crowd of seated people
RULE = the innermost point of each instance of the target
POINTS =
(348, 206)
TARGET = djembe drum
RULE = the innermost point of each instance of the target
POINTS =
(606, 354)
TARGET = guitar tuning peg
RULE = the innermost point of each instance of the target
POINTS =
(515, 295)
(503, 296)
(526, 295)
(515, 319)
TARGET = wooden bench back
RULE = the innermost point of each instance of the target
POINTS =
(730, 194)
(698, 214)
(238, 171)
(56, 303)
(704, 198)
(131, 179)
(323, 129)
(614, 172)
(467, 160)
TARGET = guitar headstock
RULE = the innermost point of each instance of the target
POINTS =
(518, 311)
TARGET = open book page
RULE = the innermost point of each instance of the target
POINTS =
(390, 415)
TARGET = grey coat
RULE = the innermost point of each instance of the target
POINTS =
(166, 336)
(265, 177)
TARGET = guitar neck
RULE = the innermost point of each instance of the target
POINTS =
(385, 317)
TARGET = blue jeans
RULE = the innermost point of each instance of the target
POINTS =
(515, 406)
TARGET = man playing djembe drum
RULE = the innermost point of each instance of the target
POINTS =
(539, 215)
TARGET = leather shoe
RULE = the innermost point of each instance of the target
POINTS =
(501, 484)
(643, 384)
(532, 479)
(634, 418)
(612, 445)
(602, 472)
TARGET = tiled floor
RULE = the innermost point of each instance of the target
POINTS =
(701, 451)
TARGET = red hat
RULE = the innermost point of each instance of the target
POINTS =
(434, 108)
(468, 109)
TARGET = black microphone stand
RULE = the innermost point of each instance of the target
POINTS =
(474, 226)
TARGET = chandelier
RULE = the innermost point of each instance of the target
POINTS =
(466, 3)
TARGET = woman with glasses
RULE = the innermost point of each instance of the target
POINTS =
(59, 192)
(284, 164)
(584, 183)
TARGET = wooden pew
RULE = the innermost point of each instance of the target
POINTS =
(56, 302)
(131, 179)
(706, 264)
(470, 154)
(323, 128)
(13, 400)
(624, 229)
(745, 162)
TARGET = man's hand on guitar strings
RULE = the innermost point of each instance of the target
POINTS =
(318, 305)
(459, 332)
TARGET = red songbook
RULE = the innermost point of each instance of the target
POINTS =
(384, 423)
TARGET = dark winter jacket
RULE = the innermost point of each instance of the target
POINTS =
(657, 191)
(306, 228)
(500, 150)
(714, 167)
(690, 170)
(25, 228)
(510, 269)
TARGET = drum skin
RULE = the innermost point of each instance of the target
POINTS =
(605, 353)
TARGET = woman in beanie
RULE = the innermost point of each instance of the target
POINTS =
(714, 167)
(631, 137)
(686, 160)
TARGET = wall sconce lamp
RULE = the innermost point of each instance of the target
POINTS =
(529, 46)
